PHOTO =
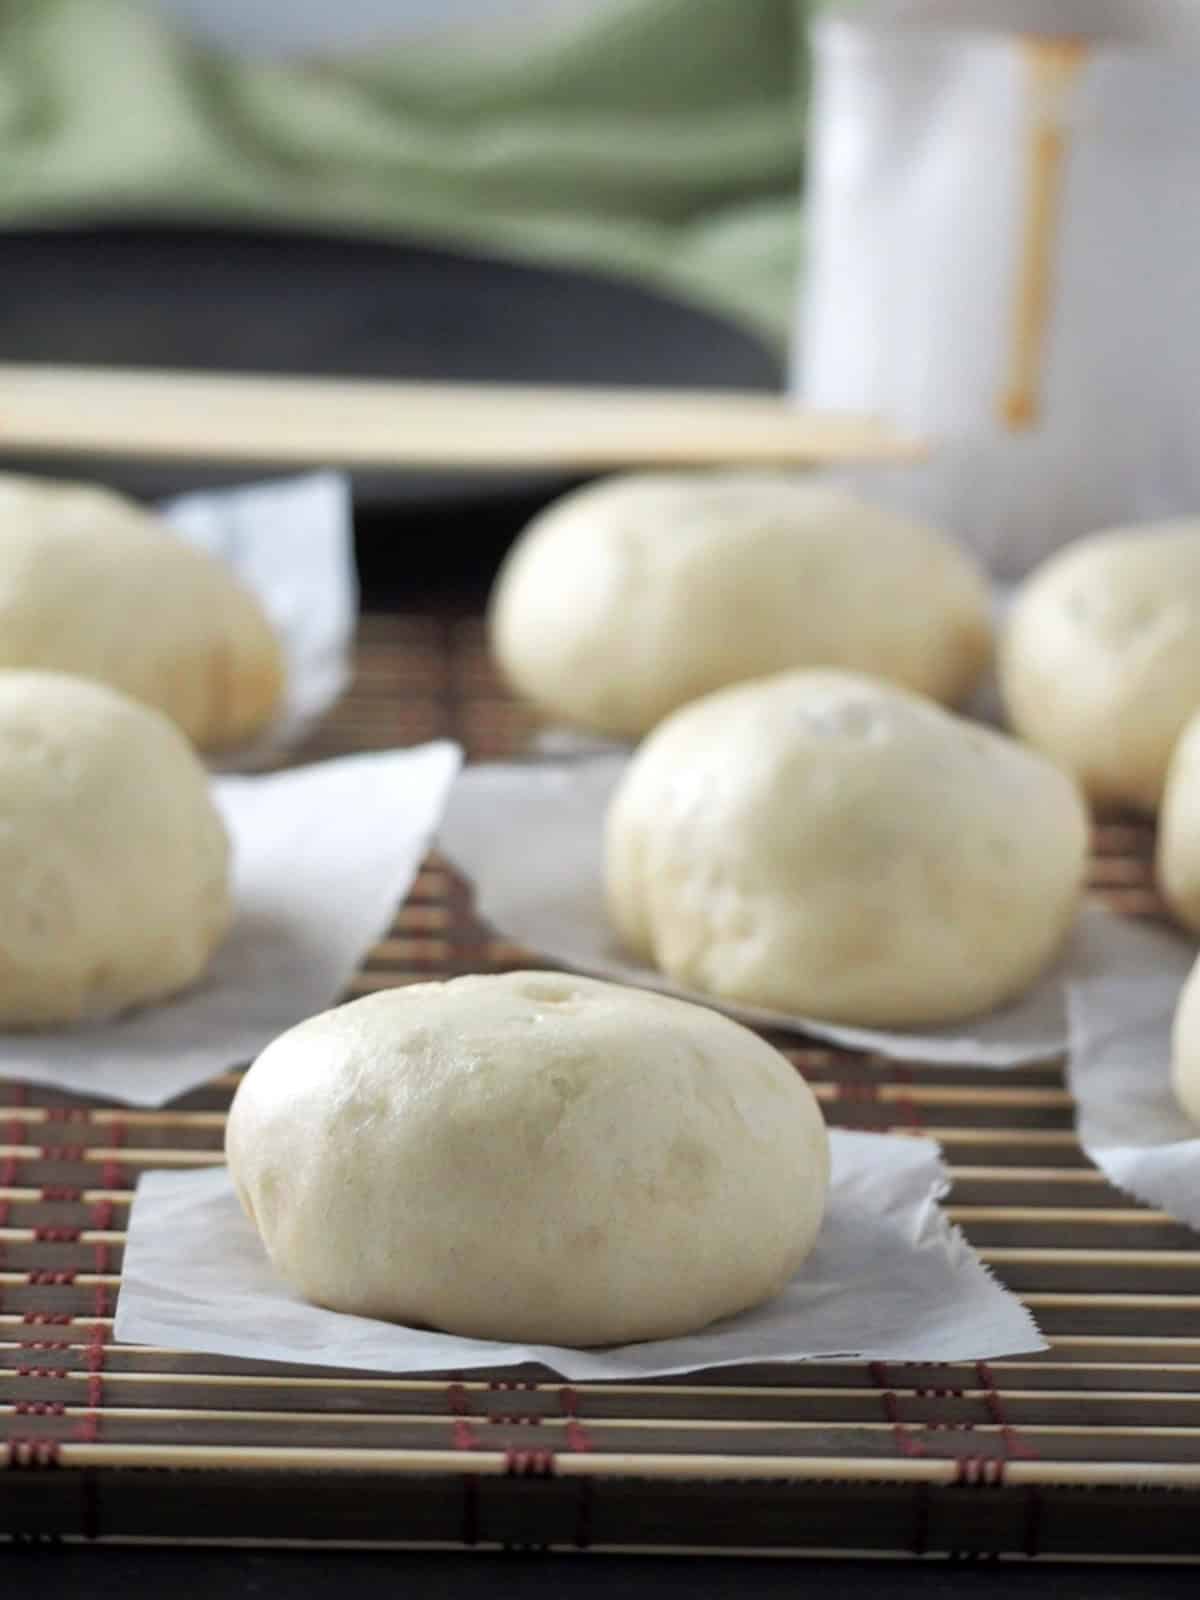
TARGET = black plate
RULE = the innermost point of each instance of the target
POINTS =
(283, 302)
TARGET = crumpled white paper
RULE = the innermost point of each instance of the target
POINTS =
(322, 856)
(889, 1280)
(290, 541)
(1120, 1061)
(530, 837)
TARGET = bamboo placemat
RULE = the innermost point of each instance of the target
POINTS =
(1090, 1449)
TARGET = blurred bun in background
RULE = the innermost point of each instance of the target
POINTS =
(633, 596)
(824, 844)
(1100, 668)
(114, 861)
(91, 584)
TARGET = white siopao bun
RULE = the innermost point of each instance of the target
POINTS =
(114, 861)
(532, 1157)
(92, 585)
(1185, 1047)
(826, 844)
(632, 596)
(1100, 666)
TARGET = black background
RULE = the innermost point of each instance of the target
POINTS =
(131, 1574)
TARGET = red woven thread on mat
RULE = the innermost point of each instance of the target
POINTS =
(578, 1439)
(31, 1453)
(910, 1115)
(944, 1394)
(61, 1192)
(57, 1235)
(503, 1386)
(42, 1372)
(857, 1091)
(462, 1433)
(465, 1438)
(906, 1442)
(14, 1134)
(529, 1463)
(89, 1428)
(112, 1176)
(1014, 1446)
(972, 1468)
(39, 1408)
(866, 1092)
(522, 1463)
(101, 1300)
(967, 1468)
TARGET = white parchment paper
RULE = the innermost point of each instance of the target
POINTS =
(1120, 1063)
(322, 857)
(290, 541)
(530, 837)
(889, 1280)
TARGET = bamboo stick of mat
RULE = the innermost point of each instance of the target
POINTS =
(236, 417)
(1058, 1434)
(459, 1463)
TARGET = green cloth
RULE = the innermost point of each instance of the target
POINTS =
(660, 140)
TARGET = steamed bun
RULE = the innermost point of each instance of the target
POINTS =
(531, 1157)
(92, 585)
(114, 862)
(632, 596)
(825, 844)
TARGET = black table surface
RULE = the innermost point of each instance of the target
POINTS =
(195, 1574)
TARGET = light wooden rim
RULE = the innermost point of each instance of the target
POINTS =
(592, 1464)
(243, 417)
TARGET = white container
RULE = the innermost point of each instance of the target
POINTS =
(946, 163)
